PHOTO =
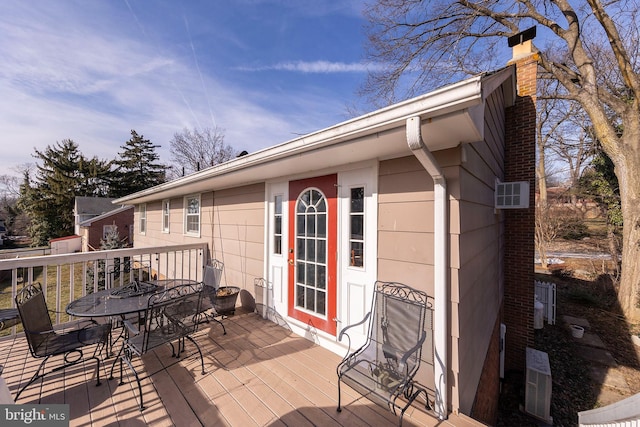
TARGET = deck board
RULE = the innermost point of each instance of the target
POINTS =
(258, 374)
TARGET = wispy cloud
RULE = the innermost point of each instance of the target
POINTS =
(93, 73)
(320, 67)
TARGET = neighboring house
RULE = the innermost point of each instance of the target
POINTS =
(89, 207)
(95, 216)
(406, 194)
(96, 229)
(3, 232)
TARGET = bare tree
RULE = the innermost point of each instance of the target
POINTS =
(549, 120)
(574, 144)
(10, 183)
(547, 227)
(564, 138)
(16, 221)
(590, 48)
(9, 186)
(199, 149)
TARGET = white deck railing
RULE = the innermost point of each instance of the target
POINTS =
(625, 413)
(69, 276)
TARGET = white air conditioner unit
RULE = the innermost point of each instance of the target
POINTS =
(538, 387)
(512, 195)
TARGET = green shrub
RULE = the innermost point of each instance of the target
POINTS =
(573, 228)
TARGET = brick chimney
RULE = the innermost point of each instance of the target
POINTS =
(520, 143)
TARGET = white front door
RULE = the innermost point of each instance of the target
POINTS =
(357, 248)
(274, 298)
(354, 252)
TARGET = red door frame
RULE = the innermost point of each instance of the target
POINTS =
(328, 185)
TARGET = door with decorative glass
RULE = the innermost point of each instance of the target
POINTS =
(312, 252)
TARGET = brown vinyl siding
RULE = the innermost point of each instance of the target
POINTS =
(478, 296)
(231, 223)
(405, 223)
(238, 234)
(405, 232)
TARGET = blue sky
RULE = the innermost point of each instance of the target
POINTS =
(263, 70)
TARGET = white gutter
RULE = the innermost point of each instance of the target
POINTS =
(440, 235)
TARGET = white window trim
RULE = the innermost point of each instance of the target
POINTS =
(142, 216)
(106, 229)
(185, 208)
(166, 203)
(273, 219)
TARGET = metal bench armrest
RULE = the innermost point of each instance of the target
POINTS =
(344, 331)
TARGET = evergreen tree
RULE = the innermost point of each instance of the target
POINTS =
(112, 240)
(59, 175)
(48, 198)
(600, 183)
(31, 202)
(137, 168)
(95, 178)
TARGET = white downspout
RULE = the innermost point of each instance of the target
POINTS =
(440, 236)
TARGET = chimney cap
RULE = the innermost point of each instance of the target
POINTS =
(522, 36)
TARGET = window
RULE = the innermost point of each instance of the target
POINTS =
(192, 215)
(356, 227)
(108, 229)
(311, 252)
(142, 210)
(277, 225)
(166, 206)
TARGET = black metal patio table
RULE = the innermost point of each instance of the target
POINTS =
(117, 302)
(120, 302)
(8, 317)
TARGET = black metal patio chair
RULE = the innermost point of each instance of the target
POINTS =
(45, 342)
(211, 283)
(126, 271)
(383, 369)
(171, 317)
(126, 274)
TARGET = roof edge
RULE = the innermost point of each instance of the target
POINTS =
(454, 97)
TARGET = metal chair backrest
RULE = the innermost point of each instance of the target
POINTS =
(211, 281)
(172, 314)
(397, 324)
(384, 367)
(213, 274)
(171, 317)
(127, 271)
(34, 315)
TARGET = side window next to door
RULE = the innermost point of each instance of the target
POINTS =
(356, 227)
(277, 224)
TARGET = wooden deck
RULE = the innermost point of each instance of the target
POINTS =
(259, 374)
